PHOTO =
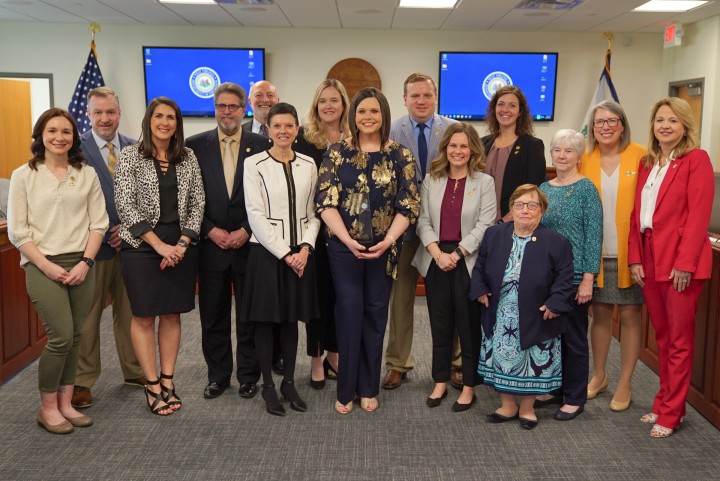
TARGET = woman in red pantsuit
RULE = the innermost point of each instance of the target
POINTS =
(669, 251)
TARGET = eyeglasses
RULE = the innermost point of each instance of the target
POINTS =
(613, 122)
(530, 205)
(231, 107)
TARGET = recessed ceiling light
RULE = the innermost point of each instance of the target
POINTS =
(669, 6)
(368, 11)
(428, 3)
(190, 2)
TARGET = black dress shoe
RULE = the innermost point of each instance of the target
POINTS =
(458, 408)
(435, 402)
(528, 423)
(563, 416)
(272, 403)
(214, 389)
(248, 389)
(278, 367)
(548, 402)
(287, 389)
(496, 418)
(317, 384)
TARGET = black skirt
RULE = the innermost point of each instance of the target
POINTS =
(152, 291)
(274, 293)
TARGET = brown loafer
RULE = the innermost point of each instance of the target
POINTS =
(81, 398)
(456, 378)
(393, 379)
(136, 382)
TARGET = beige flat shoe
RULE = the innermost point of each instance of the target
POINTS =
(62, 428)
(592, 393)
(81, 421)
(343, 408)
(618, 406)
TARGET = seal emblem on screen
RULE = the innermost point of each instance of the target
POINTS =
(203, 81)
(494, 82)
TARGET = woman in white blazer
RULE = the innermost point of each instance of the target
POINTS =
(457, 204)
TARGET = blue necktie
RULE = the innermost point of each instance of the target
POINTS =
(422, 149)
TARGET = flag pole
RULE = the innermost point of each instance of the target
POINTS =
(94, 28)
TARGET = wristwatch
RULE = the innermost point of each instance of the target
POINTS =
(88, 261)
(182, 243)
(459, 252)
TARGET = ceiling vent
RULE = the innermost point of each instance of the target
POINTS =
(548, 4)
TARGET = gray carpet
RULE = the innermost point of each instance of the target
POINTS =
(230, 438)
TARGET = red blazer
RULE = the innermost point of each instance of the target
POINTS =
(681, 219)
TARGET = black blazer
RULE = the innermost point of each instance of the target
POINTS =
(545, 278)
(221, 211)
(526, 165)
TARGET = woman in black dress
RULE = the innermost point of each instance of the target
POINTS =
(280, 289)
(160, 201)
(326, 123)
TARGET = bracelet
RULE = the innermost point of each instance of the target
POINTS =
(391, 238)
(437, 259)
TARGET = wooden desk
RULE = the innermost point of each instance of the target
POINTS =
(22, 336)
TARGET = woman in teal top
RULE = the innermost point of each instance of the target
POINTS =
(575, 211)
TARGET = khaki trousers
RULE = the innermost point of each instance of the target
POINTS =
(108, 279)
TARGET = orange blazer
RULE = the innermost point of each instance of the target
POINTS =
(627, 180)
(681, 219)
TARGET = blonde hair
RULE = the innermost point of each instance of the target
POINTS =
(313, 126)
(689, 140)
(441, 165)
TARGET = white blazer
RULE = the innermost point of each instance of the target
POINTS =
(281, 204)
(478, 213)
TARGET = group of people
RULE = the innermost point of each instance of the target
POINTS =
(330, 223)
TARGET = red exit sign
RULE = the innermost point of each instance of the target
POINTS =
(673, 35)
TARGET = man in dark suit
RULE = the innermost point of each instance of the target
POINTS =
(101, 147)
(420, 131)
(225, 232)
(263, 95)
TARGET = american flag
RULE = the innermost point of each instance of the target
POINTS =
(89, 79)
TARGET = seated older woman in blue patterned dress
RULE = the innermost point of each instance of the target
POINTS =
(575, 211)
(523, 279)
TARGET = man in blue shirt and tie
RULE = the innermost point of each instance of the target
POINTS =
(420, 131)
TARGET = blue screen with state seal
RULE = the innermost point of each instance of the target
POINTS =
(468, 80)
(189, 75)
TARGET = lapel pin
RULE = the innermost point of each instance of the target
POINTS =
(629, 172)
(533, 238)
(674, 166)
(247, 149)
(72, 180)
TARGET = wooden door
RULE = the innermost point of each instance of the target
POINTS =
(15, 125)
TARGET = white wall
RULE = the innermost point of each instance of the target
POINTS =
(697, 57)
(298, 59)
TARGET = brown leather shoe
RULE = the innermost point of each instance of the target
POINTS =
(393, 379)
(456, 378)
(81, 398)
(136, 382)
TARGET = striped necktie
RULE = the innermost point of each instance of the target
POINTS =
(112, 158)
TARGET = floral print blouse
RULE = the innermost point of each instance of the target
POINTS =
(368, 188)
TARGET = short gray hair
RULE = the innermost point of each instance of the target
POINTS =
(231, 88)
(570, 138)
(614, 108)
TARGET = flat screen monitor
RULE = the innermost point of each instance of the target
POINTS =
(189, 75)
(468, 81)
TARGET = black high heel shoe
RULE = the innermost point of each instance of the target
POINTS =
(155, 406)
(330, 372)
(168, 393)
(272, 403)
(287, 389)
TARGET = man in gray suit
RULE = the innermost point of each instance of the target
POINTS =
(420, 131)
(101, 147)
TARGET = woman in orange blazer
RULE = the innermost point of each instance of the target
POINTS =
(669, 251)
(611, 163)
